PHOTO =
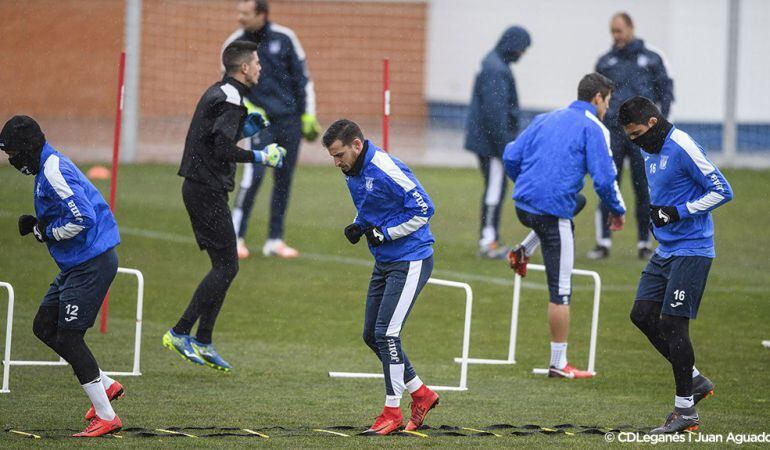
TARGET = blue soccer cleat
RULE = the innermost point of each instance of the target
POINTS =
(180, 344)
(210, 357)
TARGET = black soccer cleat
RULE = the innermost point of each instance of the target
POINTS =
(599, 252)
(702, 388)
(679, 420)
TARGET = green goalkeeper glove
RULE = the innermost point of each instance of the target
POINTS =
(310, 127)
(271, 156)
(252, 108)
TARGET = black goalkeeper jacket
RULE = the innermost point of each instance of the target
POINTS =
(210, 150)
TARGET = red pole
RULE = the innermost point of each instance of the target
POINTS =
(114, 175)
(385, 102)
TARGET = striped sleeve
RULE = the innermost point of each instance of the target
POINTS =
(703, 172)
(77, 213)
(417, 205)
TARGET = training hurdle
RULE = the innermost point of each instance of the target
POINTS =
(515, 322)
(8, 362)
(463, 386)
(766, 344)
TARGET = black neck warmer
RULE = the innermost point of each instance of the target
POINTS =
(652, 141)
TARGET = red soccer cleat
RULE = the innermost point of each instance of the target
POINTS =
(100, 427)
(388, 421)
(114, 392)
(518, 259)
(569, 371)
(423, 400)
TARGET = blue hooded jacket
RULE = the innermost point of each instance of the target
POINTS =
(80, 225)
(549, 161)
(636, 70)
(388, 195)
(493, 115)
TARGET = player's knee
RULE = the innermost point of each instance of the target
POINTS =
(44, 327)
(640, 318)
(369, 338)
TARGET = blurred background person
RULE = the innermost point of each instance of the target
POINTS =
(635, 69)
(285, 96)
(493, 122)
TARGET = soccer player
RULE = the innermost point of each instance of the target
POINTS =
(636, 69)
(493, 121)
(73, 220)
(684, 188)
(208, 168)
(286, 96)
(547, 163)
(393, 214)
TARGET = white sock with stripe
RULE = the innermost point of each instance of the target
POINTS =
(558, 354)
(392, 401)
(683, 402)
(106, 381)
(98, 396)
(414, 384)
(530, 243)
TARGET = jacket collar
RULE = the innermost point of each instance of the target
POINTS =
(583, 106)
(45, 154)
(259, 35)
(242, 88)
(363, 158)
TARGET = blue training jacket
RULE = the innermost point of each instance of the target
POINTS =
(80, 225)
(387, 195)
(681, 175)
(550, 158)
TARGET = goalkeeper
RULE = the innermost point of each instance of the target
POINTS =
(286, 94)
(208, 167)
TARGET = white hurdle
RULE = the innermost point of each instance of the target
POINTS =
(515, 322)
(463, 386)
(766, 344)
(8, 362)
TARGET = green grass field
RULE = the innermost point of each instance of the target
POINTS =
(286, 323)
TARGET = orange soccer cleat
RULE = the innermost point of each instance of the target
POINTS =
(100, 427)
(569, 371)
(388, 421)
(518, 259)
(114, 392)
(423, 400)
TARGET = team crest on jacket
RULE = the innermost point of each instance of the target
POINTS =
(642, 61)
(369, 183)
(274, 47)
(663, 162)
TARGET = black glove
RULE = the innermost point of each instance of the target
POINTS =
(663, 215)
(26, 224)
(354, 232)
(375, 236)
(29, 224)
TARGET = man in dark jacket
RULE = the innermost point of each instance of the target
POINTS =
(493, 121)
(286, 97)
(636, 69)
(208, 167)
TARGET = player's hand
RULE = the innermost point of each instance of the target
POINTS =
(375, 236)
(663, 215)
(272, 156)
(253, 124)
(310, 127)
(354, 232)
(30, 224)
(617, 222)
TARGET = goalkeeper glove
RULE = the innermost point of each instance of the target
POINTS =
(253, 124)
(663, 215)
(30, 224)
(272, 156)
(310, 127)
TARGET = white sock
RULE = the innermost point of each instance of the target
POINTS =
(530, 243)
(106, 381)
(414, 384)
(559, 354)
(98, 396)
(695, 372)
(684, 402)
(392, 401)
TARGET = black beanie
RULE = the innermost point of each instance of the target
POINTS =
(22, 134)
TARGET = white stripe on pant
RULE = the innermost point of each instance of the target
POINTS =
(566, 257)
(397, 322)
